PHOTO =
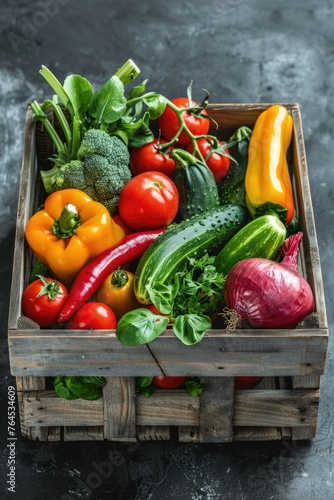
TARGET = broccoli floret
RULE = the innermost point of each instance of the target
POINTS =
(101, 170)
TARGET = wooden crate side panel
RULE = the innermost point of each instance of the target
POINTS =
(309, 250)
(276, 408)
(48, 353)
(216, 410)
(119, 405)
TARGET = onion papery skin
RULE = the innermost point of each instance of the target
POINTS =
(267, 294)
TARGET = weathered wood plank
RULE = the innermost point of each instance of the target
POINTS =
(50, 410)
(167, 408)
(91, 433)
(257, 434)
(119, 407)
(216, 410)
(153, 432)
(282, 408)
(99, 352)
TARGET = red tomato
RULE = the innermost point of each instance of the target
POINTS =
(218, 163)
(151, 156)
(169, 122)
(169, 382)
(93, 316)
(148, 201)
(43, 300)
(246, 382)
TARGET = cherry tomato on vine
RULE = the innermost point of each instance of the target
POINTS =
(213, 151)
(93, 316)
(196, 122)
(246, 382)
(152, 156)
(117, 292)
(43, 299)
(169, 382)
(148, 201)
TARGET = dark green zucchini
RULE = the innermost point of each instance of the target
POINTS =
(232, 188)
(262, 237)
(190, 238)
(196, 185)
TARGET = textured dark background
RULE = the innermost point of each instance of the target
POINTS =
(242, 51)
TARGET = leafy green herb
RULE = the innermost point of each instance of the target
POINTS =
(89, 388)
(193, 387)
(144, 386)
(194, 292)
(140, 326)
(79, 108)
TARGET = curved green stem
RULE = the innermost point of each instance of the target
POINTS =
(39, 115)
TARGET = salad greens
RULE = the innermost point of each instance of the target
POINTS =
(78, 108)
(89, 388)
(186, 301)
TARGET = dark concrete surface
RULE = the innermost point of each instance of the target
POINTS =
(242, 51)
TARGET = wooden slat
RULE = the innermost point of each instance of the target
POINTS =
(216, 410)
(167, 408)
(119, 403)
(188, 434)
(290, 408)
(91, 433)
(50, 410)
(257, 434)
(153, 433)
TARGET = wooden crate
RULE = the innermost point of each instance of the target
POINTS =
(283, 406)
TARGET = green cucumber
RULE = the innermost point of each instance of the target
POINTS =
(232, 187)
(190, 238)
(195, 183)
(262, 237)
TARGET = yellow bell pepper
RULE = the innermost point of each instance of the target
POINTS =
(69, 231)
(267, 179)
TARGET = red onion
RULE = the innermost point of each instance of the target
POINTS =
(269, 294)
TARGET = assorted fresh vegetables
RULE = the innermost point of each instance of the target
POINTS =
(144, 229)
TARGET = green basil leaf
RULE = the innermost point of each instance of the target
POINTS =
(140, 326)
(156, 104)
(79, 91)
(190, 328)
(62, 390)
(89, 388)
(162, 297)
(108, 103)
(193, 387)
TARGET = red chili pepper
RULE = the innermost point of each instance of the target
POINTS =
(131, 247)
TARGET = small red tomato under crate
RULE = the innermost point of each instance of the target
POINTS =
(284, 405)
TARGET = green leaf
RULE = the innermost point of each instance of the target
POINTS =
(162, 296)
(140, 326)
(79, 91)
(62, 390)
(89, 388)
(137, 131)
(193, 387)
(137, 90)
(190, 328)
(108, 103)
(156, 104)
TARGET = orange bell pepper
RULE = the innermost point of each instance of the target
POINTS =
(69, 231)
(267, 179)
